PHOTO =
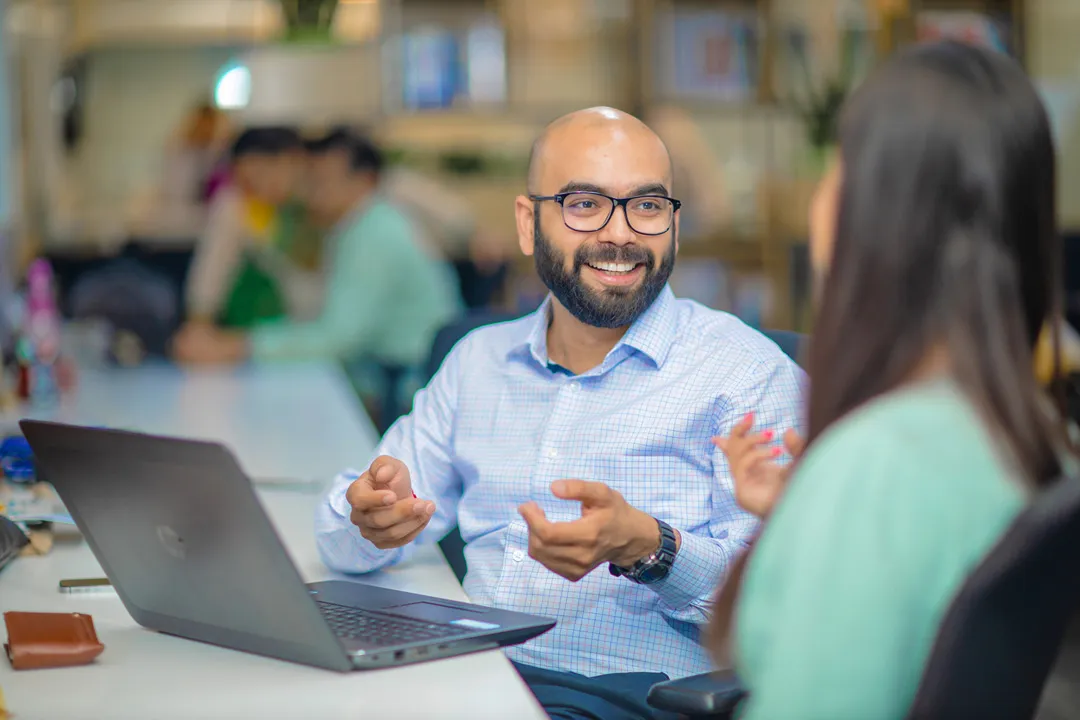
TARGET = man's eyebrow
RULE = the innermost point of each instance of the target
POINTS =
(575, 186)
(647, 189)
(650, 189)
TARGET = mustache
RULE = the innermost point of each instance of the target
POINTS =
(622, 254)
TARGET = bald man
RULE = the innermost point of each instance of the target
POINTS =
(572, 447)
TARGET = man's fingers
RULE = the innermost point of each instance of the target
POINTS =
(401, 530)
(385, 470)
(794, 443)
(363, 497)
(534, 516)
(547, 532)
(402, 511)
(396, 536)
(588, 493)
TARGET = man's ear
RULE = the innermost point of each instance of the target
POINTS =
(678, 213)
(524, 215)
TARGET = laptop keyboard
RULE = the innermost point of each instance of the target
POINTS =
(377, 629)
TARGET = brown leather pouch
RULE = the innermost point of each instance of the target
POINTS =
(47, 640)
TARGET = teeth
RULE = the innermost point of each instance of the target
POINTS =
(615, 267)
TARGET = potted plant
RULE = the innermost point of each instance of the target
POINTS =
(309, 20)
(823, 101)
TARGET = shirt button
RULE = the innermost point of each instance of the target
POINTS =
(575, 386)
(551, 453)
(518, 556)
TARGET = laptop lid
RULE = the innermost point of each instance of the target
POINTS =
(181, 534)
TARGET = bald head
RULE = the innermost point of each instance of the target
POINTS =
(595, 132)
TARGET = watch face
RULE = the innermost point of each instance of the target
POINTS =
(654, 573)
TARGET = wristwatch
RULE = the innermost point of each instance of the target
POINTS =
(655, 567)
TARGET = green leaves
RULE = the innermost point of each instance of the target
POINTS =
(303, 16)
(824, 101)
(821, 112)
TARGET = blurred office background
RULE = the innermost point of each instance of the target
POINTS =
(114, 115)
(96, 94)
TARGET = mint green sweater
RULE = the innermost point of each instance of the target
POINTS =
(883, 521)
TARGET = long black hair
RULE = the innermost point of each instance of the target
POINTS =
(946, 237)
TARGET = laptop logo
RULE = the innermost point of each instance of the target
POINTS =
(171, 541)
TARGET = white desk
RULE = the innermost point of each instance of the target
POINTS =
(296, 421)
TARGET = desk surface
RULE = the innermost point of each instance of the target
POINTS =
(299, 421)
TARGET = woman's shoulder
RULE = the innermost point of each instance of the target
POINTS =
(925, 440)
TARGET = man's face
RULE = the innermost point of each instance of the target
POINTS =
(328, 190)
(609, 277)
(271, 178)
(609, 300)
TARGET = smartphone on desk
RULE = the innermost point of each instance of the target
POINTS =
(85, 585)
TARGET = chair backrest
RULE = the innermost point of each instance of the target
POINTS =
(791, 343)
(130, 297)
(449, 336)
(998, 641)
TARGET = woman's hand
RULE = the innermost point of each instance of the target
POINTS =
(758, 480)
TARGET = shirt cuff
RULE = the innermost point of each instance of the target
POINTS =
(695, 574)
(338, 502)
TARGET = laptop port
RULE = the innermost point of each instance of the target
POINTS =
(399, 655)
(421, 652)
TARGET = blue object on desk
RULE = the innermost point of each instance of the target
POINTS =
(17, 460)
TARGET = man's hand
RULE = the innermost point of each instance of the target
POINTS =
(203, 344)
(384, 507)
(609, 531)
(758, 480)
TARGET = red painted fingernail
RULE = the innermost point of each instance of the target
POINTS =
(776, 452)
(768, 434)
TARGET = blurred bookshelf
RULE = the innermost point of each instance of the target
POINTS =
(999, 24)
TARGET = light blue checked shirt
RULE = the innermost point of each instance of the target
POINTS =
(498, 424)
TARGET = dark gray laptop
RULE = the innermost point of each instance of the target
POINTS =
(181, 534)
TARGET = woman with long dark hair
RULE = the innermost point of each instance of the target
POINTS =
(936, 253)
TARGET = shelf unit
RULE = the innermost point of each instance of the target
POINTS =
(900, 25)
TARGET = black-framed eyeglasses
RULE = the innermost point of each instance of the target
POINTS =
(591, 211)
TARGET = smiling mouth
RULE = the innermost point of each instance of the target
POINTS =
(614, 268)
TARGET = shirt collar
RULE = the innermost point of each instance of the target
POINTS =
(652, 334)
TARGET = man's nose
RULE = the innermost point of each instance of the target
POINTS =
(618, 230)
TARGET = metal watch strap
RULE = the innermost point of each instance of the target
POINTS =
(655, 567)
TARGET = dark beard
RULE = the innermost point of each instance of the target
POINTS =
(611, 307)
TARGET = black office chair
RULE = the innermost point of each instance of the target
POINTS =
(791, 343)
(393, 404)
(998, 640)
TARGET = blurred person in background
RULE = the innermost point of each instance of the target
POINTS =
(479, 255)
(935, 245)
(257, 258)
(387, 291)
(175, 206)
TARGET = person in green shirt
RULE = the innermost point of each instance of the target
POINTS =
(933, 238)
(387, 291)
(252, 251)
